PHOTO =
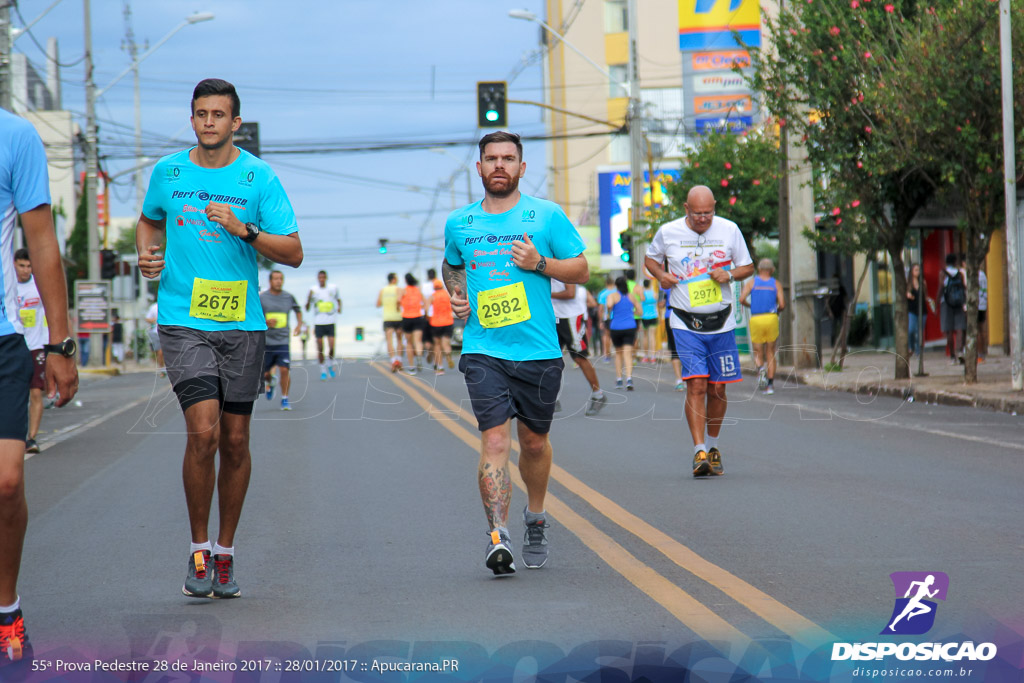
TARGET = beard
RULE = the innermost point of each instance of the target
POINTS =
(217, 144)
(495, 189)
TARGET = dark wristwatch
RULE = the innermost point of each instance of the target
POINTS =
(66, 348)
(541, 265)
(252, 232)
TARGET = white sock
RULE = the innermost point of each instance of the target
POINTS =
(323, 367)
(711, 442)
(196, 547)
(11, 608)
(218, 549)
(698, 448)
(283, 397)
(597, 394)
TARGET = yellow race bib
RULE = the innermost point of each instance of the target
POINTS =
(502, 306)
(276, 321)
(28, 317)
(220, 301)
(704, 292)
(325, 306)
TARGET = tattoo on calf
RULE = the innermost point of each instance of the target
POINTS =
(496, 493)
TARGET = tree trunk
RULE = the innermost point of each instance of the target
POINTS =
(900, 331)
(841, 345)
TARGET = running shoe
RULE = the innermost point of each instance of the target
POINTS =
(439, 370)
(396, 365)
(680, 386)
(715, 461)
(330, 369)
(15, 649)
(558, 406)
(618, 383)
(412, 371)
(285, 405)
(769, 390)
(535, 542)
(451, 363)
(762, 378)
(323, 376)
(31, 446)
(270, 387)
(199, 580)
(224, 585)
(701, 466)
(499, 554)
(594, 406)
(629, 384)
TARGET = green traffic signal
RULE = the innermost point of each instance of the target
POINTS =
(626, 256)
(491, 104)
(383, 246)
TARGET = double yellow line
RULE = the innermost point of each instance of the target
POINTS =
(684, 607)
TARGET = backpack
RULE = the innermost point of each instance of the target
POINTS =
(954, 293)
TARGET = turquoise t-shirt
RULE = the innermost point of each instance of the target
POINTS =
(482, 242)
(209, 271)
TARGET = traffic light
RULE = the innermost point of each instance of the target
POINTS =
(359, 334)
(626, 242)
(491, 104)
(383, 245)
(108, 264)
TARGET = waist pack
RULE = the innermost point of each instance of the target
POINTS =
(704, 322)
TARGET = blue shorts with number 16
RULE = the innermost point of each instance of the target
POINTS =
(714, 356)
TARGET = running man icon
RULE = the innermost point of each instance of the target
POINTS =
(920, 590)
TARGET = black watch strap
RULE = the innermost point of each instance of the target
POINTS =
(66, 348)
(252, 233)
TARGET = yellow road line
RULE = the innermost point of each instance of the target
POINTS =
(784, 618)
(680, 604)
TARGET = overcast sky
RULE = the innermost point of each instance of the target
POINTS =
(340, 71)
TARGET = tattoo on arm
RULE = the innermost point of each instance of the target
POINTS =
(453, 277)
(496, 493)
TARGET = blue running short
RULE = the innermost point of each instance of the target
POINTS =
(276, 354)
(714, 356)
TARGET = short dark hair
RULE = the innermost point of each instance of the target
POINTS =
(322, 272)
(21, 255)
(622, 285)
(950, 259)
(501, 136)
(216, 86)
(276, 271)
(411, 280)
(392, 277)
(431, 273)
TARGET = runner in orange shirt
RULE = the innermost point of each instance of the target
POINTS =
(442, 324)
(412, 322)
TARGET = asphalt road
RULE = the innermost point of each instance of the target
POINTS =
(363, 534)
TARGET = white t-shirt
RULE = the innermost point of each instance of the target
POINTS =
(691, 257)
(33, 318)
(982, 291)
(324, 304)
(569, 308)
(152, 313)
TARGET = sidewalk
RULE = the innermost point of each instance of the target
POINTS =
(872, 372)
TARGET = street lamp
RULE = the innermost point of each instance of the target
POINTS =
(91, 151)
(633, 113)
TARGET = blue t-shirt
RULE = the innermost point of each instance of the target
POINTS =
(179, 191)
(24, 185)
(482, 242)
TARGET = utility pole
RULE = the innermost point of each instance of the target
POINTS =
(636, 137)
(1013, 226)
(132, 49)
(91, 173)
(5, 56)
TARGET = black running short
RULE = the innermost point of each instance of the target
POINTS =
(222, 365)
(322, 331)
(392, 325)
(502, 389)
(410, 325)
(622, 338)
(671, 337)
(15, 375)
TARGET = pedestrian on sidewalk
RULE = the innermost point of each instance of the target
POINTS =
(953, 309)
(917, 287)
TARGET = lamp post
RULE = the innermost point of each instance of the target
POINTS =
(633, 113)
(91, 151)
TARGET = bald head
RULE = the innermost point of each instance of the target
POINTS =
(700, 208)
(700, 193)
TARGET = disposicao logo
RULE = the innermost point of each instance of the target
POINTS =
(914, 614)
(914, 611)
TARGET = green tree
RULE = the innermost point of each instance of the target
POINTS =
(77, 247)
(839, 61)
(743, 172)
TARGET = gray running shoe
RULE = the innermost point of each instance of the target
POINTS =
(762, 378)
(224, 585)
(199, 581)
(499, 554)
(594, 405)
(31, 446)
(535, 542)
(701, 465)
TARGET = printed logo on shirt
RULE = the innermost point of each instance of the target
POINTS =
(172, 173)
(529, 216)
(204, 196)
(246, 177)
(495, 239)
